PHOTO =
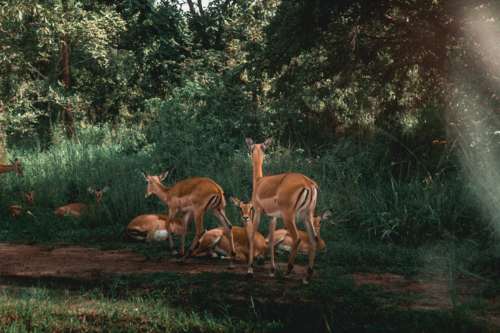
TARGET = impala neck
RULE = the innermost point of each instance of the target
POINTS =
(7, 168)
(161, 192)
(257, 162)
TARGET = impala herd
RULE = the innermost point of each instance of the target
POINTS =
(287, 196)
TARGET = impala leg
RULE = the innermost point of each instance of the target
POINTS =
(150, 236)
(171, 244)
(224, 222)
(198, 219)
(251, 240)
(272, 228)
(313, 243)
(171, 216)
(185, 221)
(294, 234)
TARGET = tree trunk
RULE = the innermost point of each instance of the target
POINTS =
(191, 7)
(3, 150)
(200, 8)
(68, 119)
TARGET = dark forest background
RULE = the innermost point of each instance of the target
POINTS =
(390, 105)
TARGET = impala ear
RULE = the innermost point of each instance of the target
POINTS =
(144, 175)
(29, 195)
(267, 143)
(90, 190)
(235, 201)
(249, 143)
(326, 215)
(164, 175)
(170, 172)
(105, 189)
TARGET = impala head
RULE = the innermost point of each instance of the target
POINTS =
(17, 167)
(154, 182)
(327, 214)
(29, 197)
(98, 192)
(257, 150)
(246, 210)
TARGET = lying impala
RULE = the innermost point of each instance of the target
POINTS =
(18, 210)
(77, 209)
(193, 197)
(14, 166)
(284, 242)
(155, 227)
(284, 195)
(215, 240)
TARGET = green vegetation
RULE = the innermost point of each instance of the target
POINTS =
(388, 105)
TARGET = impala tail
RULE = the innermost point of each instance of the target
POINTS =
(307, 198)
(218, 202)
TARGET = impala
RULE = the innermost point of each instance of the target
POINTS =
(284, 242)
(14, 166)
(18, 210)
(284, 195)
(156, 227)
(77, 209)
(193, 197)
(215, 239)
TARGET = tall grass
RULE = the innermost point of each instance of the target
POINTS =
(356, 182)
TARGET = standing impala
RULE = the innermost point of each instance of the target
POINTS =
(194, 197)
(77, 209)
(284, 195)
(14, 166)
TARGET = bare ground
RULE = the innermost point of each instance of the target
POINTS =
(89, 263)
(75, 262)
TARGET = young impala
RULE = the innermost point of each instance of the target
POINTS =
(284, 195)
(156, 227)
(284, 242)
(18, 210)
(14, 166)
(77, 209)
(215, 239)
(193, 197)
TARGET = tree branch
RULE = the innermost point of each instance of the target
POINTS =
(200, 8)
(191, 8)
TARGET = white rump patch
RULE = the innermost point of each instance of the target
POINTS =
(286, 248)
(160, 235)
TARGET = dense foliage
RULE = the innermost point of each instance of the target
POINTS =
(388, 104)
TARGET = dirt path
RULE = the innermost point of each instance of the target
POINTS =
(75, 262)
(88, 263)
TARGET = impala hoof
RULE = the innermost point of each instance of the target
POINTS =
(174, 253)
(310, 273)
(250, 273)
(289, 269)
(181, 260)
(231, 265)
